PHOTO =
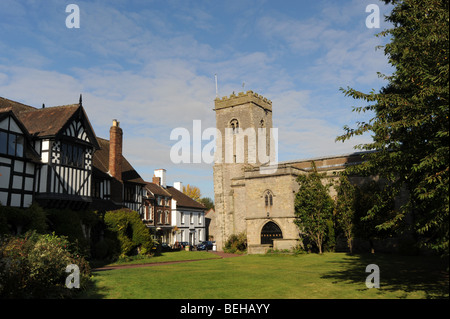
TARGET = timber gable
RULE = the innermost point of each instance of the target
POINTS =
(52, 156)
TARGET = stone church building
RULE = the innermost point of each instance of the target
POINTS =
(252, 193)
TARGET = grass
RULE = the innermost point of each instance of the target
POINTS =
(327, 276)
(168, 257)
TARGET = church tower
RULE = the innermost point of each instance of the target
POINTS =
(244, 122)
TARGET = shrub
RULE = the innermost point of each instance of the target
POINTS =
(70, 223)
(126, 226)
(33, 266)
(236, 243)
(17, 221)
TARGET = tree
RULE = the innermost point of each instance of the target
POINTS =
(367, 196)
(313, 206)
(345, 208)
(207, 202)
(192, 191)
(410, 125)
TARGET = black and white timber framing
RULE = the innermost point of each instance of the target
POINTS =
(17, 172)
(48, 156)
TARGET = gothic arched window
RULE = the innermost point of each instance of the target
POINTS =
(268, 198)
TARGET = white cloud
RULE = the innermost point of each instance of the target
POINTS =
(139, 67)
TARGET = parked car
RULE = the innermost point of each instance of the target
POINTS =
(165, 247)
(205, 245)
(183, 244)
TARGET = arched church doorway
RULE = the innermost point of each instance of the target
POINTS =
(269, 232)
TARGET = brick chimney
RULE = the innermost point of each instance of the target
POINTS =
(156, 180)
(115, 151)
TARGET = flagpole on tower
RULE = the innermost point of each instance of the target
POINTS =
(217, 90)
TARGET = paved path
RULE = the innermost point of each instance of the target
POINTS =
(221, 254)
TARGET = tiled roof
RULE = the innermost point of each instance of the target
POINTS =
(101, 162)
(183, 200)
(47, 121)
(15, 106)
(44, 121)
(157, 190)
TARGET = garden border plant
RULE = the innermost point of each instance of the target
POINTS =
(33, 266)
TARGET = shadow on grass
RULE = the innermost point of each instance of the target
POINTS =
(397, 272)
(92, 291)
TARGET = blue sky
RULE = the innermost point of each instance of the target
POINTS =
(151, 65)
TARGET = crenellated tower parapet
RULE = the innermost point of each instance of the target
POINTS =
(243, 98)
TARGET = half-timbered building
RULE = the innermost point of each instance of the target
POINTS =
(115, 181)
(18, 161)
(53, 157)
(61, 141)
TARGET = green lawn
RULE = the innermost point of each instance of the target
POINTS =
(332, 275)
(168, 257)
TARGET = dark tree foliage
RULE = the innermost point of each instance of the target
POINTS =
(411, 127)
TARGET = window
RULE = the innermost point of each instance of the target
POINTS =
(234, 124)
(11, 143)
(200, 219)
(167, 217)
(182, 217)
(160, 217)
(147, 212)
(96, 186)
(3, 142)
(268, 198)
(192, 218)
(72, 155)
(129, 193)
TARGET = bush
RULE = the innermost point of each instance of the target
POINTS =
(133, 236)
(236, 243)
(66, 222)
(17, 221)
(33, 266)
